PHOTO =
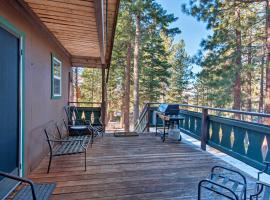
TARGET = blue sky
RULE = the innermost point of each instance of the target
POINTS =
(192, 31)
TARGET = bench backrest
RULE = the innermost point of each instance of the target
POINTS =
(51, 133)
(62, 128)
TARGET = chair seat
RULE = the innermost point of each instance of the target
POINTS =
(72, 147)
(43, 192)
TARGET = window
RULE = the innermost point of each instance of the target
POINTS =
(56, 90)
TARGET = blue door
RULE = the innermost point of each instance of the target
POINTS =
(9, 108)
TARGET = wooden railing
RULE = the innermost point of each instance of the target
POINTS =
(248, 141)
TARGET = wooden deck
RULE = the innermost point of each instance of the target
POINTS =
(130, 168)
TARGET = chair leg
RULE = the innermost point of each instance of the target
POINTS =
(49, 166)
(199, 191)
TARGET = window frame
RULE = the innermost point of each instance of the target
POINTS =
(54, 59)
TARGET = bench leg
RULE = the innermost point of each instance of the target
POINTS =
(85, 160)
(49, 166)
(92, 139)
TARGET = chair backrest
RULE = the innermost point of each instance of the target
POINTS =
(72, 113)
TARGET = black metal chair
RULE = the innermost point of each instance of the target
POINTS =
(61, 147)
(262, 189)
(73, 116)
(224, 182)
(74, 120)
(35, 191)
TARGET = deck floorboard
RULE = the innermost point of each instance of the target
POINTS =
(130, 168)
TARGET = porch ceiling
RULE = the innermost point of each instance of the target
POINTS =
(84, 28)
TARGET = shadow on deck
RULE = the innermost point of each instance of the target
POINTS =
(130, 168)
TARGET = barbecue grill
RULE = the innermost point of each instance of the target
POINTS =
(169, 114)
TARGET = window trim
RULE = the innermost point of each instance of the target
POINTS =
(53, 95)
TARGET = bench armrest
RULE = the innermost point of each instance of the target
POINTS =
(263, 183)
(21, 180)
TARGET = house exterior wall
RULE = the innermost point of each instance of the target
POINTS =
(40, 109)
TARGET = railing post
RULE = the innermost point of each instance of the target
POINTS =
(204, 129)
(148, 117)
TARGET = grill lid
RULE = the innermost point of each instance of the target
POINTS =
(169, 109)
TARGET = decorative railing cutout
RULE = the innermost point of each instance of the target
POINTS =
(220, 134)
(246, 142)
(232, 138)
(195, 125)
(210, 131)
(264, 148)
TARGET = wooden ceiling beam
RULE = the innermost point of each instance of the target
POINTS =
(110, 48)
(81, 61)
(100, 27)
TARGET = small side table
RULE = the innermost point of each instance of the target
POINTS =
(79, 129)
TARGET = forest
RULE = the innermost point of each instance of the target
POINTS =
(148, 65)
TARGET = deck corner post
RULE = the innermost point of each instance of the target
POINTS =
(204, 129)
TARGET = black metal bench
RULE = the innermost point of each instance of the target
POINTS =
(61, 147)
(224, 182)
(31, 191)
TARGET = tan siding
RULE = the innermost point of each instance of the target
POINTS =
(39, 107)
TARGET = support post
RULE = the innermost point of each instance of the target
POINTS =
(204, 130)
(103, 101)
(69, 81)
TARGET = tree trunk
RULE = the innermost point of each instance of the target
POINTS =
(261, 101)
(136, 68)
(267, 29)
(249, 78)
(238, 62)
(123, 105)
(127, 89)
